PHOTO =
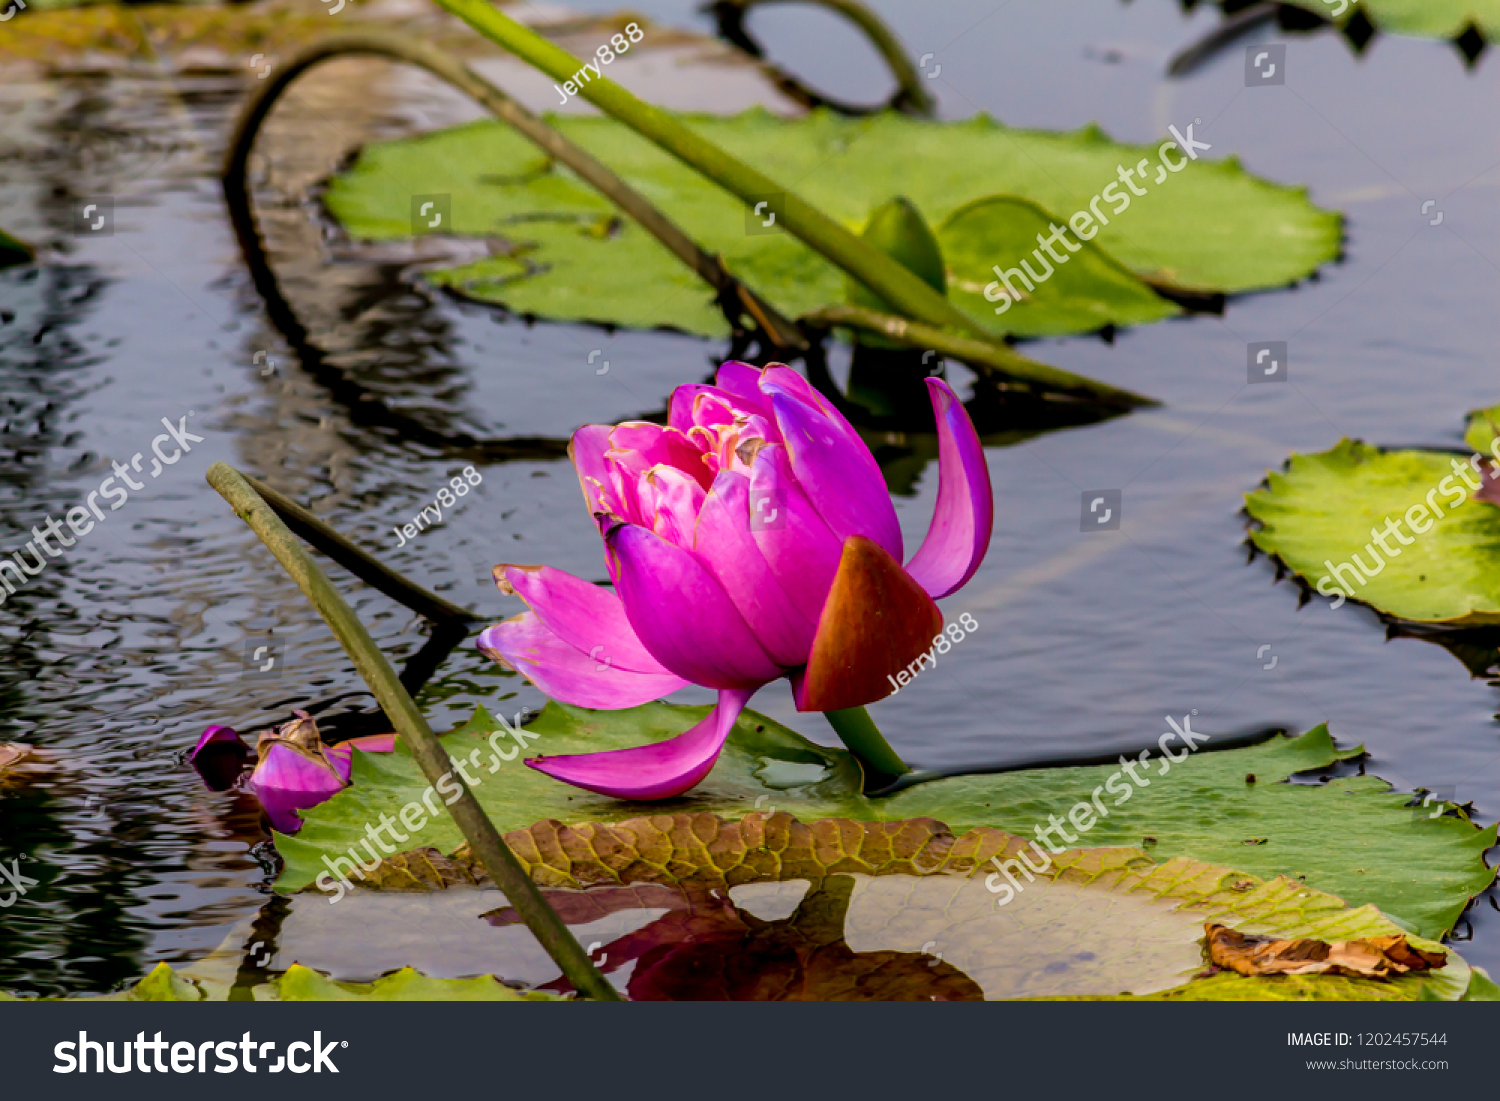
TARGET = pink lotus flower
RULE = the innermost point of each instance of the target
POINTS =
(750, 538)
(294, 770)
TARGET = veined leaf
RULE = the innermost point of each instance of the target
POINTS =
(565, 254)
(1444, 565)
(1353, 837)
(1428, 18)
(905, 910)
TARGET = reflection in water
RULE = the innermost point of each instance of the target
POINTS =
(706, 947)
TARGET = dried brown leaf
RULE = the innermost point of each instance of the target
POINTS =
(1372, 958)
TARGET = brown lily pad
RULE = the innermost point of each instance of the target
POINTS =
(1371, 958)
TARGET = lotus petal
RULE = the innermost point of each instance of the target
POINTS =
(877, 620)
(743, 381)
(683, 615)
(586, 450)
(841, 478)
(219, 757)
(588, 618)
(798, 546)
(566, 673)
(218, 736)
(657, 771)
(287, 780)
(965, 511)
(725, 543)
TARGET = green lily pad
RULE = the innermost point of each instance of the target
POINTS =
(1354, 837)
(905, 910)
(1091, 290)
(1426, 18)
(302, 984)
(1319, 513)
(764, 764)
(1482, 428)
(564, 252)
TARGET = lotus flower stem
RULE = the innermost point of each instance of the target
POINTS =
(361, 564)
(989, 358)
(478, 830)
(883, 275)
(864, 739)
(389, 44)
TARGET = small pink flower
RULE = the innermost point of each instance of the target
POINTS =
(294, 769)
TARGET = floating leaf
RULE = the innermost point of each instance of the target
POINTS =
(569, 256)
(302, 984)
(763, 765)
(905, 910)
(1427, 18)
(1319, 514)
(1091, 290)
(1354, 837)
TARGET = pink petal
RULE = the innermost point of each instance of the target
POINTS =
(671, 498)
(219, 757)
(286, 781)
(802, 552)
(584, 616)
(727, 546)
(566, 673)
(683, 615)
(637, 446)
(743, 381)
(342, 755)
(586, 449)
(657, 771)
(778, 378)
(838, 473)
(965, 511)
(699, 406)
(219, 736)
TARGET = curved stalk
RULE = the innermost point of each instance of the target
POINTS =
(734, 296)
(910, 96)
(858, 731)
(904, 291)
(411, 724)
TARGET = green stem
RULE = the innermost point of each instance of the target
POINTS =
(362, 565)
(864, 739)
(400, 47)
(905, 292)
(411, 724)
(990, 358)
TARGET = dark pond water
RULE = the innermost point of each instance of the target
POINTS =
(127, 646)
